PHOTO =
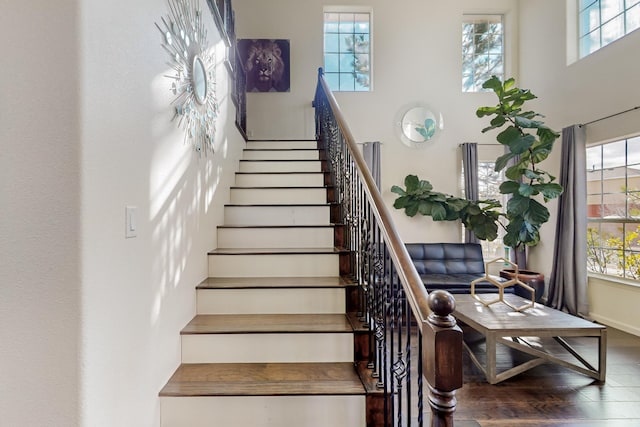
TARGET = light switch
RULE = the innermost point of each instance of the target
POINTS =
(131, 226)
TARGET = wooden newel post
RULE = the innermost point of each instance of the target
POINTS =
(442, 358)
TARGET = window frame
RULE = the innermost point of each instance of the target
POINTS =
(356, 10)
(468, 18)
(582, 6)
(605, 253)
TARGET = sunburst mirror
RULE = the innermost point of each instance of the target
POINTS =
(184, 38)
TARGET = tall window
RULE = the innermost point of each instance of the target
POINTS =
(482, 50)
(602, 21)
(613, 208)
(347, 51)
(489, 188)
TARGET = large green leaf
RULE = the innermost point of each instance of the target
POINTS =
(458, 204)
(438, 212)
(527, 123)
(547, 135)
(503, 161)
(412, 208)
(398, 190)
(517, 205)
(515, 172)
(509, 187)
(550, 190)
(412, 183)
(527, 190)
(537, 213)
(517, 142)
(401, 202)
(495, 85)
(424, 207)
(486, 111)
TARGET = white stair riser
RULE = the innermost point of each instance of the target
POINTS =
(276, 215)
(274, 196)
(267, 348)
(274, 265)
(294, 237)
(271, 301)
(280, 180)
(281, 155)
(282, 145)
(280, 166)
(263, 411)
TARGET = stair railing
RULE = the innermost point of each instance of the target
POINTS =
(411, 334)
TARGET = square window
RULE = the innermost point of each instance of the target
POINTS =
(613, 30)
(633, 18)
(611, 9)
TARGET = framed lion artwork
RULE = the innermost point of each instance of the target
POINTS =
(266, 63)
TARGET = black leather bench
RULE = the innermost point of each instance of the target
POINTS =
(452, 267)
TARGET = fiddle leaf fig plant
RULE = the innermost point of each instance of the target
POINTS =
(418, 197)
(528, 141)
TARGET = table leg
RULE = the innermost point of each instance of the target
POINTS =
(491, 357)
(602, 359)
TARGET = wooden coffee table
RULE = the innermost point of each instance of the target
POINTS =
(498, 323)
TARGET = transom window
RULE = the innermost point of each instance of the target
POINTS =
(601, 22)
(482, 50)
(613, 208)
(347, 50)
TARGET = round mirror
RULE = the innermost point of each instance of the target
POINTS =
(199, 80)
(418, 124)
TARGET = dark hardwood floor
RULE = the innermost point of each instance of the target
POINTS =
(550, 395)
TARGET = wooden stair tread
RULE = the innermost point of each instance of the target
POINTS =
(283, 173)
(281, 160)
(280, 226)
(280, 149)
(267, 323)
(275, 251)
(272, 282)
(264, 379)
(308, 187)
(287, 205)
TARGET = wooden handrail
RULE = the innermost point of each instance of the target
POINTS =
(440, 346)
(411, 281)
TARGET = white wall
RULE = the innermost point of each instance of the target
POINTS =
(138, 293)
(39, 214)
(89, 320)
(416, 58)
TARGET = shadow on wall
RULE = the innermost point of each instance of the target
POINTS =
(183, 193)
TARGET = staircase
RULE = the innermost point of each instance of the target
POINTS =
(271, 344)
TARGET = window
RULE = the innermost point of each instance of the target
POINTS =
(347, 51)
(482, 50)
(602, 21)
(489, 188)
(613, 208)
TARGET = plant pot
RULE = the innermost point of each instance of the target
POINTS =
(531, 278)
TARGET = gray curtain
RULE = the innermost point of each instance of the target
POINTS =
(371, 153)
(470, 168)
(568, 281)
